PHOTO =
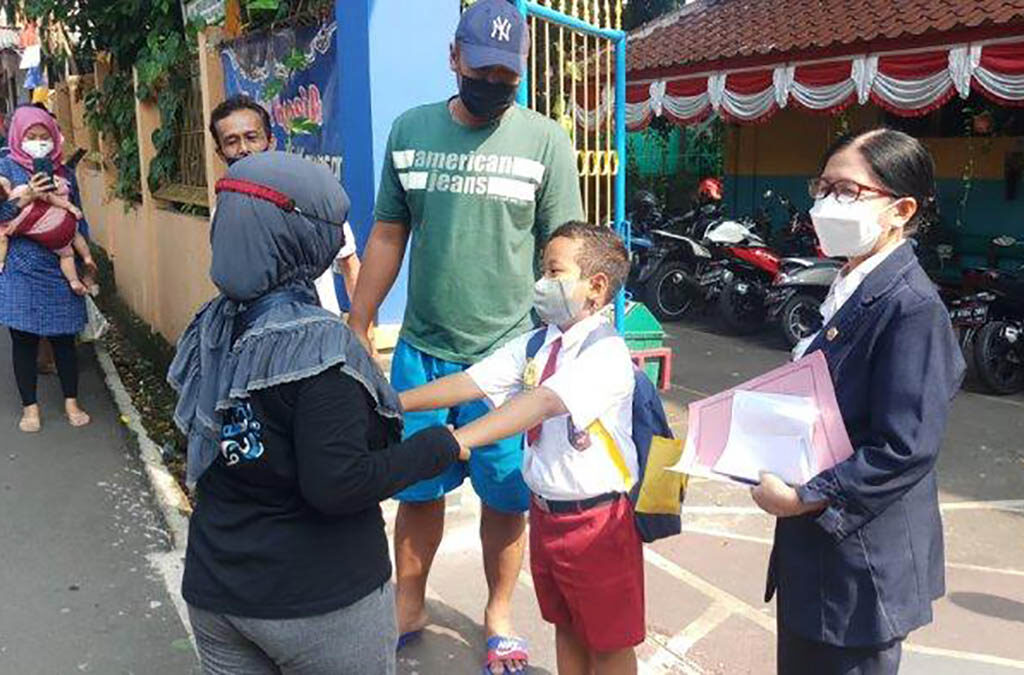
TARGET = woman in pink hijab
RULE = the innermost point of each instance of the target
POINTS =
(35, 297)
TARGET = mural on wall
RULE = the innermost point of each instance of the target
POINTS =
(293, 74)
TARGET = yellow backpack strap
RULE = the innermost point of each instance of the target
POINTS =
(612, 448)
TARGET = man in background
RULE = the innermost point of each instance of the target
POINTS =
(240, 127)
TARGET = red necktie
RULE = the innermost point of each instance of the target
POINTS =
(549, 369)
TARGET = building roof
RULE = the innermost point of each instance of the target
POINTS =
(715, 34)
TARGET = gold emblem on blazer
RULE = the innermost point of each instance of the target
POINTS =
(832, 333)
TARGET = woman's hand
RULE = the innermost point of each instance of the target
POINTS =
(464, 451)
(39, 185)
(780, 500)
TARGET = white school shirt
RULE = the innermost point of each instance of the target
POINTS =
(842, 289)
(596, 386)
(325, 284)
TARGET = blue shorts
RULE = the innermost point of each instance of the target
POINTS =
(495, 470)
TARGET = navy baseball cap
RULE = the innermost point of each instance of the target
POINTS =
(493, 33)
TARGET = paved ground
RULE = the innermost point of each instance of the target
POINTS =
(81, 545)
(84, 556)
(705, 588)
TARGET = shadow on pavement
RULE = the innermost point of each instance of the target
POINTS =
(990, 605)
(451, 643)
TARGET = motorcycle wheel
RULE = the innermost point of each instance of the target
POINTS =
(799, 317)
(999, 366)
(671, 291)
(743, 313)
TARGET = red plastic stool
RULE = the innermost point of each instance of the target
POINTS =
(663, 354)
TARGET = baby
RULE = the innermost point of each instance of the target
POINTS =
(51, 220)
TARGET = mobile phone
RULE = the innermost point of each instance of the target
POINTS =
(43, 165)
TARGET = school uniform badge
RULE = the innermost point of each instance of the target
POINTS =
(531, 374)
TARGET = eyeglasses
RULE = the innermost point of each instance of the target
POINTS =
(846, 191)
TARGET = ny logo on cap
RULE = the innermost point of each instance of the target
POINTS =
(501, 29)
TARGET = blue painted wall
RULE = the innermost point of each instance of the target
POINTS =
(392, 56)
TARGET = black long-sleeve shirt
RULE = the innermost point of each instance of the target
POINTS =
(299, 531)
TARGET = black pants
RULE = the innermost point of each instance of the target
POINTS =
(799, 656)
(25, 347)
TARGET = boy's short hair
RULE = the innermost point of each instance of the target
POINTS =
(602, 251)
(233, 105)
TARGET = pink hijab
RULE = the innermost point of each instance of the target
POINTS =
(23, 119)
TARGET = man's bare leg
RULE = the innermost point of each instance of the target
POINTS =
(618, 662)
(572, 655)
(503, 539)
(418, 531)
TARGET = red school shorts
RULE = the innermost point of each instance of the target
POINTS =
(588, 572)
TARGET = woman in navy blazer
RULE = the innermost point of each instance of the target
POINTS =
(858, 555)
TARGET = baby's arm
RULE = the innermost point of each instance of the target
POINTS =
(443, 393)
(62, 202)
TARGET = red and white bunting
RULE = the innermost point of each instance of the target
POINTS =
(910, 84)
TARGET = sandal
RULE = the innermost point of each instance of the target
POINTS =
(78, 419)
(405, 639)
(501, 648)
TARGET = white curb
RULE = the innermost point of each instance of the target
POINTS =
(169, 496)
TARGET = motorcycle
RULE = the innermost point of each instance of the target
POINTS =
(746, 267)
(794, 300)
(990, 321)
(667, 259)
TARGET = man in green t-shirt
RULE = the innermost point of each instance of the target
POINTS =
(477, 184)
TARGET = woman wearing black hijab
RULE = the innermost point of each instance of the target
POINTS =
(293, 442)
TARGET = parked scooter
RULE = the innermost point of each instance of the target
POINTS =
(990, 321)
(746, 267)
(667, 258)
(796, 296)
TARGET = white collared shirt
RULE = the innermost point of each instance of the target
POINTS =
(596, 386)
(843, 287)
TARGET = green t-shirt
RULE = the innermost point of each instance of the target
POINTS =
(480, 203)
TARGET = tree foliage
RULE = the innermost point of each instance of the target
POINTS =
(638, 12)
(147, 35)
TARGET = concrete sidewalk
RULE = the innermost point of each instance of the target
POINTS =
(81, 543)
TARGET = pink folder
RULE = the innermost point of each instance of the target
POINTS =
(709, 419)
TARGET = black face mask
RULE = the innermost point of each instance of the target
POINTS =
(483, 99)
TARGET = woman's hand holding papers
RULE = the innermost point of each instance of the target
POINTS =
(773, 496)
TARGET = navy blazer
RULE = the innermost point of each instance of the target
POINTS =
(866, 570)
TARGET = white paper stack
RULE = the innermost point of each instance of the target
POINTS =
(769, 432)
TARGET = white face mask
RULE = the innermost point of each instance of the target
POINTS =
(554, 302)
(846, 230)
(37, 149)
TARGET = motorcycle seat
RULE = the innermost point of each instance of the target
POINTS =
(808, 263)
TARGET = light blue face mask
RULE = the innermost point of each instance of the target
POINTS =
(554, 302)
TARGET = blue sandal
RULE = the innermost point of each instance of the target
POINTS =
(501, 648)
(405, 639)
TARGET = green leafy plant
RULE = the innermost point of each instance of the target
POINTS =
(975, 143)
(110, 110)
(147, 35)
(261, 14)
